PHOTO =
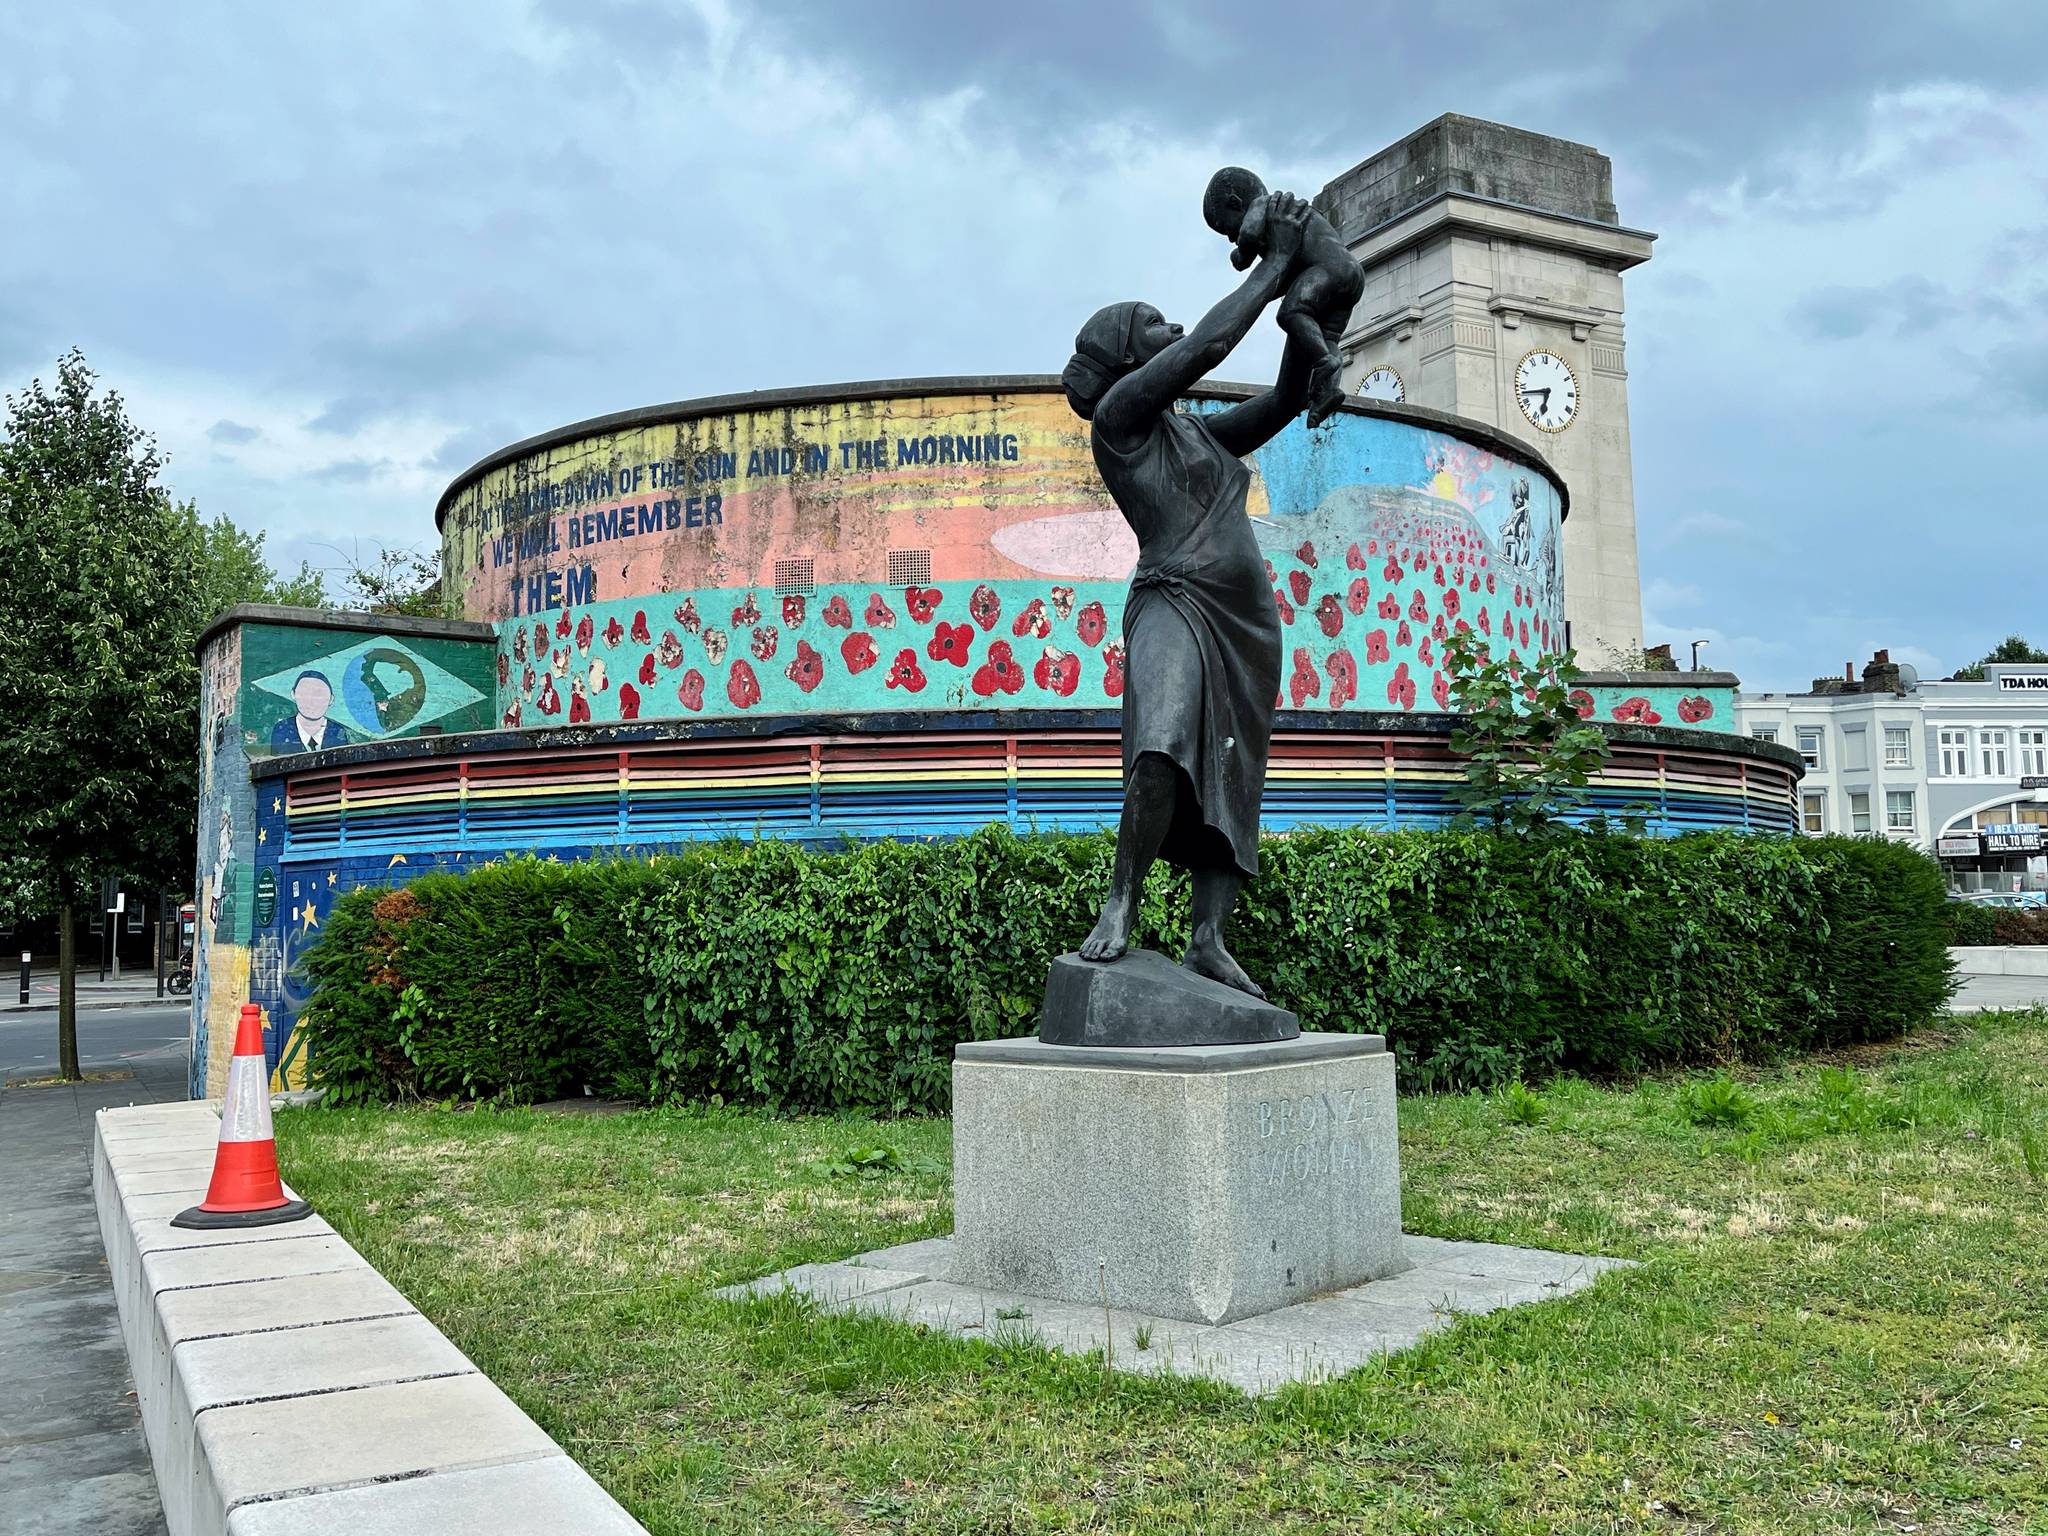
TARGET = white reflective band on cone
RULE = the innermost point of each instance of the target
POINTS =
(245, 1113)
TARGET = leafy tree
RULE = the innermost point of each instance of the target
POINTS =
(1528, 754)
(232, 570)
(98, 684)
(400, 581)
(2008, 651)
(109, 585)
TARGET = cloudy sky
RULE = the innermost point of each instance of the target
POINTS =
(332, 255)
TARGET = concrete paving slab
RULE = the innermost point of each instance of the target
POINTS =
(548, 1497)
(1453, 1291)
(167, 1330)
(1355, 1331)
(193, 1177)
(155, 1234)
(931, 1257)
(1068, 1327)
(328, 1357)
(285, 1301)
(309, 1253)
(213, 1375)
(1502, 1261)
(1312, 1340)
(149, 1162)
(339, 1439)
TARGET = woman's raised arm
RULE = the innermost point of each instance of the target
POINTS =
(1251, 424)
(1151, 389)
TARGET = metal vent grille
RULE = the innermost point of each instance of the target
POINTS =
(910, 567)
(794, 576)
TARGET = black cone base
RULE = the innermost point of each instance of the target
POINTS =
(209, 1221)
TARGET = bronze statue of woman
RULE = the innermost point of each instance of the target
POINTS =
(1201, 630)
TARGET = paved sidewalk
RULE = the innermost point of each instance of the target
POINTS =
(135, 986)
(72, 1458)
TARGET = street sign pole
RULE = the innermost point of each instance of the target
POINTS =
(26, 958)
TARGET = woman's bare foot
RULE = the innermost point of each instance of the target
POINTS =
(1208, 957)
(1112, 935)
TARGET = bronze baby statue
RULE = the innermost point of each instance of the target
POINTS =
(1320, 295)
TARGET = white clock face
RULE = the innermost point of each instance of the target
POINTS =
(1382, 384)
(1547, 391)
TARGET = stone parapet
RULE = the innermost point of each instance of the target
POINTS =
(287, 1388)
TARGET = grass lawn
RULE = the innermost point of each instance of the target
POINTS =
(1841, 1322)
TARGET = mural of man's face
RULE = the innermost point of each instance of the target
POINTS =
(312, 695)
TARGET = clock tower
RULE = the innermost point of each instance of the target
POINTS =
(1493, 261)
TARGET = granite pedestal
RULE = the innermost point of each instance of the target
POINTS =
(1201, 1183)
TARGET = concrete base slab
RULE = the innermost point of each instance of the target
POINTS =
(1312, 1340)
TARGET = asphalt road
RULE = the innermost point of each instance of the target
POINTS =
(72, 1458)
(108, 1038)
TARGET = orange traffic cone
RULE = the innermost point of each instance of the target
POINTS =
(245, 1191)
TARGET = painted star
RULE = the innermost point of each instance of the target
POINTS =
(332, 877)
(311, 920)
(277, 802)
(396, 858)
(262, 834)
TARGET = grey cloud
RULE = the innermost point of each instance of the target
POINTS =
(1906, 307)
(350, 471)
(231, 433)
(346, 416)
(2018, 375)
(636, 31)
(1695, 94)
(463, 449)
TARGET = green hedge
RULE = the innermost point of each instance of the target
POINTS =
(1971, 922)
(762, 973)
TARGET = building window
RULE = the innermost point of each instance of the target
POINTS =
(1765, 733)
(1955, 751)
(1991, 755)
(2034, 752)
(1898, 747)
(1898, 810)
(910, 567)
(1809, 745)
(1859, 810)
(1813, 812)
(1855, 750)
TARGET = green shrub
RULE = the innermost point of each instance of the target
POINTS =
(1970, 922)
(763, 973)
(512, 980)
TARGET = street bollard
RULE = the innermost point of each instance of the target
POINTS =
(26, 957)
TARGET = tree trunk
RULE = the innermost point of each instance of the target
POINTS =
(67, 993)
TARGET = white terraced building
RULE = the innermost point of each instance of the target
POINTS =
(1957, 768)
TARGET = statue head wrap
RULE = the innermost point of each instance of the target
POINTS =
(1102, 355)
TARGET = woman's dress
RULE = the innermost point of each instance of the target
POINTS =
(1201, 634)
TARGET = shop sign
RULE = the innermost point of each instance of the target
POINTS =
(2012, 837)
(2034, 781)
(2033, 682)
(1957, 845)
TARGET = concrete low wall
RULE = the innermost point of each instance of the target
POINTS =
(287, 1388)
(2001, 959)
